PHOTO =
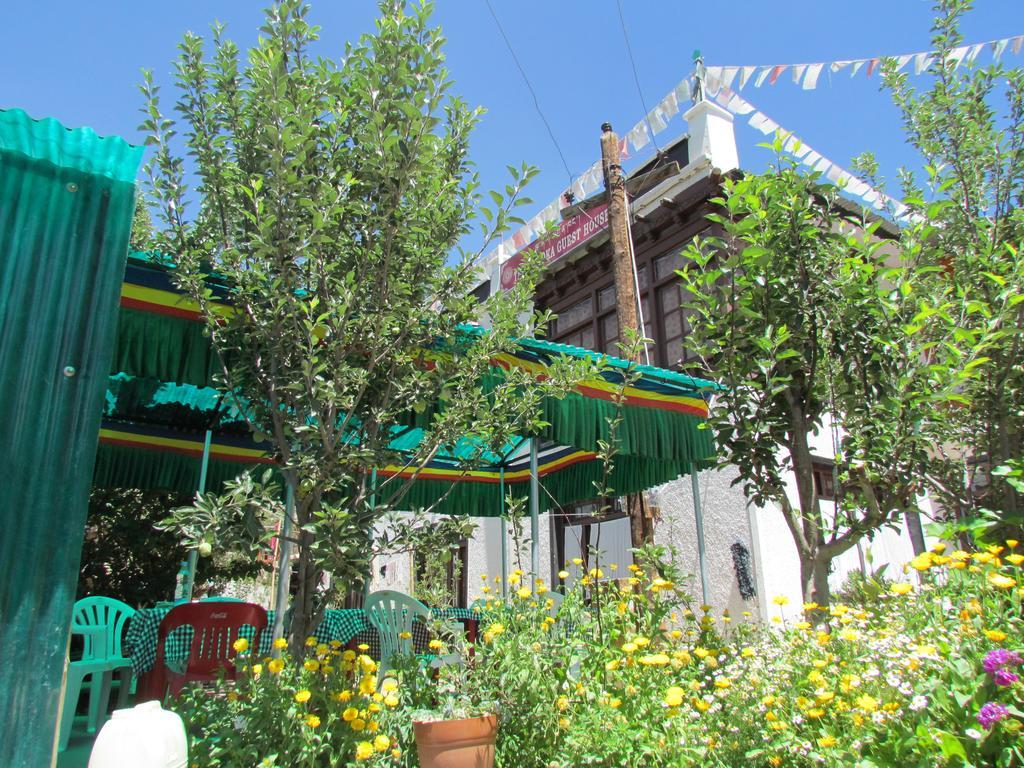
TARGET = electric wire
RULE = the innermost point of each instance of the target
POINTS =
(636, 76)
(529, 87)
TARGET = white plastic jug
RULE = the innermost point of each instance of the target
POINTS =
(144, 736)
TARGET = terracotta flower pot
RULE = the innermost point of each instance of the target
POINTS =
(467, 743)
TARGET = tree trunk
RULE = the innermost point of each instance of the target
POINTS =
(814, 580)
(302, 605)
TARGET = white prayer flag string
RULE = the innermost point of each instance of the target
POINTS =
(719, 81)
(807, 156)
(806, 75)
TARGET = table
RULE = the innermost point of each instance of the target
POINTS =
(349, 626)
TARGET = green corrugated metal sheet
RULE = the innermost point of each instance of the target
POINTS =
(66, 201)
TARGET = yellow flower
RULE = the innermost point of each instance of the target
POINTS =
(274, 666)
(674, 696)
(310, 641)
(811, 606)
(368, 684)
(902, 588)
(241, 645)
(391, 700)
(524, 592)
(435, 645)
(302, 696)
(561, 703)
(747, 652)
(350, 714)
(358, 724)
(655, 660)
(827, 741)
(816, 713)
(629, 648)
(995, 635)
(389, 685)
(825, 696)
(701, 705)
(803, 625)
(563, 575)
(867, 703)
(1000, 581)
(1015, 559)
(257, 669)
(312, 721)
(723, 683)
(701, 653)
(1011, 543)
(922, 562)
(311, 665)
(396, 753)
(405, 635)
(780, 600)
(381, 743)
(596, 573)
(364, 750)
(577, 561)
(281, 643)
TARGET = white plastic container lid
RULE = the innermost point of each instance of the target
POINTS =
(144, 736)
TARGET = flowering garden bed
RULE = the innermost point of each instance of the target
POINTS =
(908, 673)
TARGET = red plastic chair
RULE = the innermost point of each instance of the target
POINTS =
(215, 628)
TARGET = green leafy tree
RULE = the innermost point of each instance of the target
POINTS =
(129, 555)
(142, 235)
(805, 315)
(331, 196)
(968, 127)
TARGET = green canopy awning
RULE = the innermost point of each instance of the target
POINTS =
(160, 404)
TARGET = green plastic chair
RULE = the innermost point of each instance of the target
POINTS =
(392, 614)
(101, 622)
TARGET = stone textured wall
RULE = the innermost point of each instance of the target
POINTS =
(725, 523)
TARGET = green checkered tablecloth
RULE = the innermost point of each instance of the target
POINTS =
(344, 625)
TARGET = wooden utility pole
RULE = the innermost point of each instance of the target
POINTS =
(641, 525)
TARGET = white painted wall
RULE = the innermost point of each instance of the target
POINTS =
(777, 552)
(484, 555)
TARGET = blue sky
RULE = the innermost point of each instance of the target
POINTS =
(80, 63)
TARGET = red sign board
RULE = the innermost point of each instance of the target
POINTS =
(573, 233)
